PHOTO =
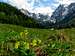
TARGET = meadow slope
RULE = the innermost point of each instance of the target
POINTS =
(42, 34)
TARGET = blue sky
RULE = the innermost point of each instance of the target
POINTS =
(38, 6)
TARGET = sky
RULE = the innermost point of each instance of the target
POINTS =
(38, 6)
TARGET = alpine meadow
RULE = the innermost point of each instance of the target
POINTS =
(26, 33)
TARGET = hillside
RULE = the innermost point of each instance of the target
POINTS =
(10, 33)
(12, 15)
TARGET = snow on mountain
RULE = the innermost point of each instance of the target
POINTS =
(63, 12)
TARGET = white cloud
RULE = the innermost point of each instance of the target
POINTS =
(22, 4)
(19, 3)
(68, 1)
(65, 1)
(29, 6)
(44, 10)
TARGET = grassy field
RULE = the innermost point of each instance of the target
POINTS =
(42, 34)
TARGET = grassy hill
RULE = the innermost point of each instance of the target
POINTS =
(12, 15)
(8, 32)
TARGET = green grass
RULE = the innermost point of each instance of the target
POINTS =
(42, 34)
(33, 33)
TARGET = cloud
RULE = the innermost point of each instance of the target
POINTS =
(65, 1)
(18, 3)
(25, 4)
(68, 1)
(43, 10)
(39, 6)
(30, 6)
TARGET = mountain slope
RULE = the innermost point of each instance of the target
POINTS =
(57, 14)
(65, 16)
(12, 15)
(69, 20)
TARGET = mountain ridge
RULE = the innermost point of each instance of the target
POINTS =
(61, 17)
(11, 15)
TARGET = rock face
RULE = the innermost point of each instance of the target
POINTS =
(68, 16)
(63, 12)
(58, 13)
(71, 11)
(60, 17)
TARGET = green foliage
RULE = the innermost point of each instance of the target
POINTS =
(11, 15)
(48, 42)
(22, 46)
(58, 49)
(22, 49)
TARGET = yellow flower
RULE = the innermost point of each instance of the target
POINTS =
(25, 32)
(17, 44)
(34, 42)
(39, 41)
(26, 45)
(21, 33)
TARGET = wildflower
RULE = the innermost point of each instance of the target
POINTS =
(25, 32)
(34, 42)
(39, 41)
(21, 33)
(26, 45)
(17, 44)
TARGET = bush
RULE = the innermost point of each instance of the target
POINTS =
(21, 45)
